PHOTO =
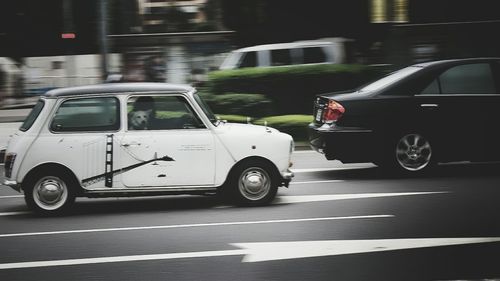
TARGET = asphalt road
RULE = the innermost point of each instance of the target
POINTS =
(335, 222)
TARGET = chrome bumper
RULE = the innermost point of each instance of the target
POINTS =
(287, 177)
(16, 186)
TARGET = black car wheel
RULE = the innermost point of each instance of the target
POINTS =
(413, 152)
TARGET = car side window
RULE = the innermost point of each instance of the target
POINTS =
(468, 79)
(87, 114)
(432, 89)
(314, 55)
(249, 59)
(463, 79)
(161, 113)
(281, 57)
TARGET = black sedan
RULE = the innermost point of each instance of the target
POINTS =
(441, 111)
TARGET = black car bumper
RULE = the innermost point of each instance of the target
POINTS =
(347, 144)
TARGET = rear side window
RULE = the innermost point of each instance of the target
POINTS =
(314, 55)
(28, 122)
(468, 79)
(281, 57)
(87, 114)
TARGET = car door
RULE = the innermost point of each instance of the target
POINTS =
(175, 149)
(79, 135)
(455, 103)
(490, 109)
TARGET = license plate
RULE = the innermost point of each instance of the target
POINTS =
(318, 115)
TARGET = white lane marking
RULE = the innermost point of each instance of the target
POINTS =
(190, 225)
(310, 170)
(17, 265)
(11, 196)
(306, 198)
(306, 151)
(13, 213)
(330, 197)
(313, 182)
(257, 252)
(267, 251)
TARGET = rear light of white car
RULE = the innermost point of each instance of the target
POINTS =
(333, 112)
(9, 163)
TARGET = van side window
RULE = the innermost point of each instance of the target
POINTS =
(249, 59)
(314, 55)
(87, 114)
(280, 57)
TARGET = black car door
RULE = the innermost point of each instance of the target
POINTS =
(458, 100)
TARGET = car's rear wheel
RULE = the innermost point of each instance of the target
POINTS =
(49, 193)
(413, 153)
(253, 184)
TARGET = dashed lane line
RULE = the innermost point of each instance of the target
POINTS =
(314, 182)
(312, 170)
(136, 228)
(331, 197)
(4, 214)
(290, 199)
(11, 196)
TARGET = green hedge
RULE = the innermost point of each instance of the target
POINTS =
(292, 88)
(295, 125)
(242, 104)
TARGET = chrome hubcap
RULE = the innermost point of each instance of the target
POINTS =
(254, 183)
(413, 152)
(50, 193)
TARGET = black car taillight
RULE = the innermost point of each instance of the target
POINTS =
(333, 112)
(9, 163)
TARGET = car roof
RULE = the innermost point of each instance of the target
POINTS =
(290, 45)
(456, 61)
(119, 88)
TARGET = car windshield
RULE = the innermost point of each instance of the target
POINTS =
(206, 109)
(390, 79)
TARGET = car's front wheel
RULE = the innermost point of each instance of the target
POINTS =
(49, 193)
(253, 184)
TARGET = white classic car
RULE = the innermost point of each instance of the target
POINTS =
(139, 139)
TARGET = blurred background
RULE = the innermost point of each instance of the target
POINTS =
(58, 43)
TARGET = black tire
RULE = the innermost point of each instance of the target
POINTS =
(49, 193)
(252, 183)
(409, 153)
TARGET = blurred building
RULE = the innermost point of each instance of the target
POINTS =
(180, 40)
(170, 15)
(411, 31)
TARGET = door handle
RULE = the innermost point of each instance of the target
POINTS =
(126, 144)
(429, 105)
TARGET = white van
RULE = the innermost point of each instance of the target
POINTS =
(328, 50)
